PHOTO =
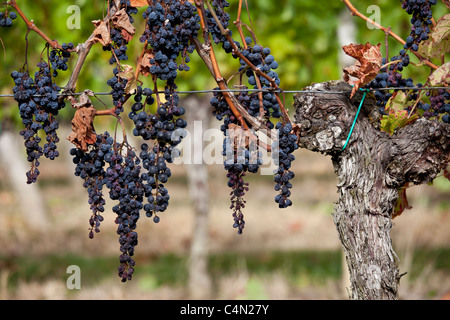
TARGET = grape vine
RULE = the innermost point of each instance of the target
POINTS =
(135, 177)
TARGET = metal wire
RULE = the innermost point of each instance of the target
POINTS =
(254, 90)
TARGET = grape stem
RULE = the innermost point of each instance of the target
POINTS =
(4, 50)
(355, 12)
(206, 52)
(238, 24)
(236, 51)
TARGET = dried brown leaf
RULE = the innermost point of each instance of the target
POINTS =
(83, 100)
(127, 72)
(447, 173)
(441, 76)
(121, 20)
(439, 41)
(101, 33)
(366, 67)
(145, 62)
(402, 202)
(138, 3)
(240, 137)
(83, 132)
(447, 3)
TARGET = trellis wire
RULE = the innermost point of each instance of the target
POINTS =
(253, 90)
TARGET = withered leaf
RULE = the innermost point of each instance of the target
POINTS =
(240, 137)
(83, 132)
(144, 63)
(101, 33)
(121, 20)
(441, 76)
(447, 3)
(439, 41)
(83, 100)
(447, 173)
(402, 202)
(366, 67)
(127, 72)
(138, 3)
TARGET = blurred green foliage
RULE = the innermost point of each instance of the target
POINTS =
(302, 36)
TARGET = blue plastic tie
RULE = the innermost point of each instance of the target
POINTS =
(356, 117)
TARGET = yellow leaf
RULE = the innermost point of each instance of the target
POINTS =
(127, 72)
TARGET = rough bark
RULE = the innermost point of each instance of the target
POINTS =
(370, 171)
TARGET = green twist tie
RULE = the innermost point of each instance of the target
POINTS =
(356, 117)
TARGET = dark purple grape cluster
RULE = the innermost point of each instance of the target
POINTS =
(118, 85)
(6, 18)
(241, 154)
(264, 61)
(38, 105)
(32, 119)
(118, 47)
(282, 153)
(239, 159)
(116, 166)
(439, 105)
(90, 166)
(165, 129)
(157, 173)
(262, 105)
(58, 58)
(239, 187)
(421, 20)
(391, 76)
(224, 18)
(124, 183)
(220, 107)
(170, 25)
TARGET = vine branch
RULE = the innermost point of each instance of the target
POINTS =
(355, 12)
(236, 51)
(82, 51)
(32, 26)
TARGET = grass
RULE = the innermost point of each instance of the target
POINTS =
(171, 270)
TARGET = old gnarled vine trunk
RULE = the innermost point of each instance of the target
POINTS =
(370, 172)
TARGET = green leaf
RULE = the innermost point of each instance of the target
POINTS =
(395, 120)
(397, 102)
(397, 116)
